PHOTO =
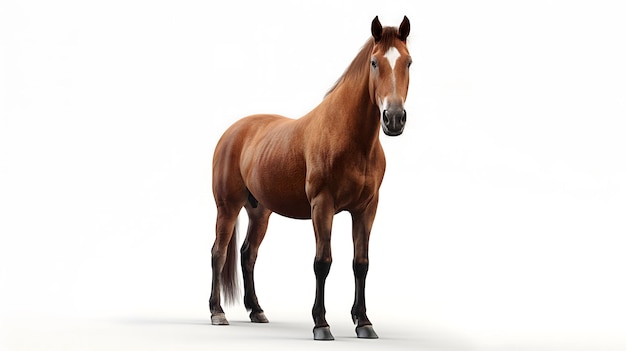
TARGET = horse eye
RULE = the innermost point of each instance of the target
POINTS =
(374, 64)
(409, 63)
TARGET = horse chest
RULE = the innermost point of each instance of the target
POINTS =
(351, 181)
(356, 184)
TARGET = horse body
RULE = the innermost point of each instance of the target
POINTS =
(325, 162)
(286, 162)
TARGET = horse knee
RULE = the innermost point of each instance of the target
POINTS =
(322, 267)
(360, 268)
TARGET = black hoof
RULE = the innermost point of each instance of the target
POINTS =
(258, 317)
(219, 319)
(322, 333)
(366, 332)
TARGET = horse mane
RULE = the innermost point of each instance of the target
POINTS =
(356, 69)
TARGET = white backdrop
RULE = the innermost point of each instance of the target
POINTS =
(501, 220)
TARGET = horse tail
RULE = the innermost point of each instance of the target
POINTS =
(230, 281)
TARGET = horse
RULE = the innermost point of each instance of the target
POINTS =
(329, 160)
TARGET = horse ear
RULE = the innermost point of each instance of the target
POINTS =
(405, 28)
(377, 29)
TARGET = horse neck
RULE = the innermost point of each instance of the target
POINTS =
(350, 111)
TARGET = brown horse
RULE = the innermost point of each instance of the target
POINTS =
(328, 161)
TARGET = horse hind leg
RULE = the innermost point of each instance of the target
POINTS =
(222, 263)
(224, 253)
(257, 226)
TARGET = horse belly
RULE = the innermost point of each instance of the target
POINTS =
(280, 190)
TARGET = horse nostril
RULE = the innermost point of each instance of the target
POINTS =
(403, 119)
(385, 118)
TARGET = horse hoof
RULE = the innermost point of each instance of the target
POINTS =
(322, 333)
(366, 332)
(219, 319)
(258, 317)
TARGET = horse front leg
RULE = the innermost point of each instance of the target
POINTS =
(322, 214)
(361, 226)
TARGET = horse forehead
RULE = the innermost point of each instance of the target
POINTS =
(392, 55)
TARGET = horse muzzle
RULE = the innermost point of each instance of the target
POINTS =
(393, 121)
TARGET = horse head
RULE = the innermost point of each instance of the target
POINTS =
(389, 74)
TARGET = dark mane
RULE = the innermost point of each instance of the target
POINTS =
(362, 59)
